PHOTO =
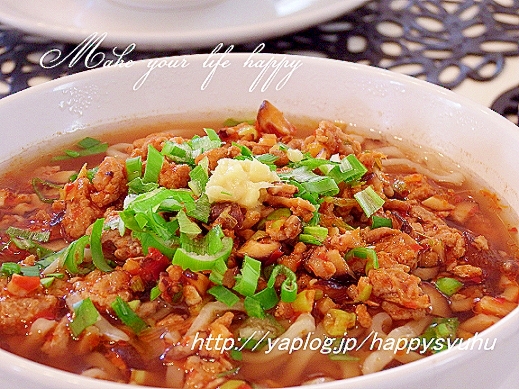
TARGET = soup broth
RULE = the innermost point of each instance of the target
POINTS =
(256, 253)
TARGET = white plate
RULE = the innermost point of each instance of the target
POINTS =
(228, 21)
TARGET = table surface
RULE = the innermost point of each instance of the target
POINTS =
(470, 47)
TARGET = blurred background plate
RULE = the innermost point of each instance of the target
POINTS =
(227, 21)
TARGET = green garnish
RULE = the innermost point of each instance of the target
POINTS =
(85, 315)
(128, 316)
(224, 295)
(379, 221)
(314, 235)
(367, 253)
(369, 201)
(289, 284)
(247, 280)
(87, 146)
(441, 328)
(448, 285)
(133, 168)
(96, 248)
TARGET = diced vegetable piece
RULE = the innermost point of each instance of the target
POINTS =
(441, 328)
(314, 235)
(153, 165)
(367, 253)
(85, 314)
(379, 221)
(304, 301)
(128, 316)
(133, 168)
(253, 307)
(27, 283)
(288, 286)
(198, 262)
(369, 201)
(247, 281)
(96, 248)
(437, 203)
(10, 268)
(448, 285)
(464, 211)
(221, 293)
(336, 322)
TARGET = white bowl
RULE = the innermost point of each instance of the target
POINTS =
(478, 139)
(165, 4)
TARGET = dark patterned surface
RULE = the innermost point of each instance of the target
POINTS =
(444, 42)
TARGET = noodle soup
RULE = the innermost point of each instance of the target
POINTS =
(248, 255)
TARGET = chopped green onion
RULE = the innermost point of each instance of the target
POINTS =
(279, 213)
(247, 281)
(188, 151)
(224, 295)
(379, 221)
(88, 146)
(199, 177)
(267, 297)
(369, 201)
(441, 328)
(148, 239)
(268, 159)
(202, 209)
(237, 355)
(314, 235)
(288, 286)
(218, 272)
(199, 262)
(10, 268)
(38, 183)
(343, 357)
(214, 239)
(448, 285)
(187, 226)
(367, 253)
(75, 254)
(178, 152)
(88, 142)
(155, 293)
(133, 168)
(138, 186)
(311, 182)
(253, 307)
(96, 248)
(246, 153)
(39, 236)
(29, 245)
(153, 165)
(46, 282)
(349, 170)
(31, 271)
(140, 213)
(85, 315)
(124, 312)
